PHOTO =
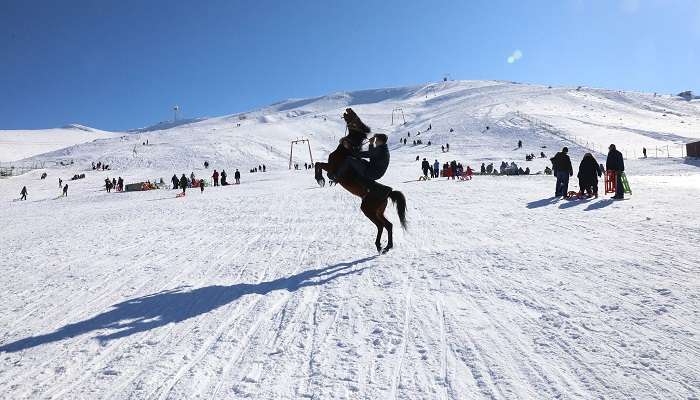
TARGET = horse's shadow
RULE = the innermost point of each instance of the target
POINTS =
(175, 305)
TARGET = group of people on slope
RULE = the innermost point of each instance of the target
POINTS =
(100, 166)
(450, 169)
(114, 183)
(216, 175)
(589, 171)
(263, 168)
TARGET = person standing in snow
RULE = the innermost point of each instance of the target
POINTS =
(616, 163)
(644, 151)
(588, 173)
(223, 178)
(183, 183)
(60, 183)
(425, 165)
(237, 177)
(483, 168)
(23, 193)
(436, 168)
(561, 164)
(201, 185)
(447, 147)
(175, 181)
(215, 176)
(520, 144)
(65, 190)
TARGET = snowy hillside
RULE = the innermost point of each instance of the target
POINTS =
(272, 289)
(18, 144)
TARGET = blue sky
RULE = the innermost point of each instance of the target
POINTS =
(123, 64)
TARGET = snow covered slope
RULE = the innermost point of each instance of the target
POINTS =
(19, 144)
(272, 289)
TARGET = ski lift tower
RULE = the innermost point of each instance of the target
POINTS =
(397, 111)
(176, 110)
(300, 141)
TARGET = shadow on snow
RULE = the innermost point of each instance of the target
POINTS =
(179, 304)
(542, 203)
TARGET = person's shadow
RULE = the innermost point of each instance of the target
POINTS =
(542, 203)
(175, 305)
(601, 204)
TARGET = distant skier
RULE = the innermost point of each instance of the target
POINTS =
(183, 183)
(23, 193)
(237, 177)
(65, 190)
(561, 164)
(215, 176)
(616, 163)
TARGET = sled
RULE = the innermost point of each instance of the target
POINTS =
(179, 195)
(423, 178)
(611, 182)
(625, 183)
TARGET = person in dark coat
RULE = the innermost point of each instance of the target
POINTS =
(183, 183)
(65, 190)
(616, 163)
(369, 171)
(561, 164)
(201, 185)
(215, 176)
(425, 166)
(223, 178)
(23, 193)
(588, 173)
(175, 181)
(237, 177)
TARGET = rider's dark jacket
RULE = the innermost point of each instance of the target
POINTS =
(378, 160)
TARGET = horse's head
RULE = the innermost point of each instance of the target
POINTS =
(357, 130)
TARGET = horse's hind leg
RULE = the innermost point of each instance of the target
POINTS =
(371, 215)
(389, 227)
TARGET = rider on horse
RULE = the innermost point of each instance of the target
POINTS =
(378, 154)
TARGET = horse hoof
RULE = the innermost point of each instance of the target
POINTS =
(321, 182)
(386, 249)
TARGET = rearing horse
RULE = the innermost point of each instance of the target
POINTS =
(373, 204)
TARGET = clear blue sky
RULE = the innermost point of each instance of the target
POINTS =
(119, 64)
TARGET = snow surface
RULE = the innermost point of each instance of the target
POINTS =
(18, 144)
(272, 289)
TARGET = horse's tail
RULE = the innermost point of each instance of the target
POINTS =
(400, 202)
